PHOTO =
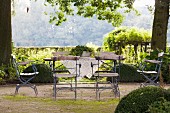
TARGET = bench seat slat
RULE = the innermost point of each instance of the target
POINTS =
(147, 72)
(28, 74)
(106, 74)
(64, 75)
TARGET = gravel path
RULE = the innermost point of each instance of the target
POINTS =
(46, 90)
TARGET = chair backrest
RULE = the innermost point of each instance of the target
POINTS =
(15, 65)
(160, 54)
(159, 65)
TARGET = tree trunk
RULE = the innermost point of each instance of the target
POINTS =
(5, 32)
(160, 24)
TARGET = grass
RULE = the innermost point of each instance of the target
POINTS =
(45, 105)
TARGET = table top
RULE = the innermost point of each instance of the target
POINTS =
(57, 58)
(86, 69)
(110, 57)
(25, 62)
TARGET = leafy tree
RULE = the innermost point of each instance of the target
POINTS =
(102, 10)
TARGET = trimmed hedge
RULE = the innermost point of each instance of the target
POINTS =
(78, 50)
(128, 73)
(44, 76)
(138, 101)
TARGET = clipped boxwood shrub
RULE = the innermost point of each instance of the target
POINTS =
(128, 73)
(138, 101)
(44, 76)
(160, 106)
(78, 50)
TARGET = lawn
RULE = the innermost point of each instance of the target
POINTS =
(26, 104)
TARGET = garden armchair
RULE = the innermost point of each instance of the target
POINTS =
(108, 70)
(152, 74)
(24, 78)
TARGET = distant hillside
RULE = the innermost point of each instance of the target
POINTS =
(33, 28)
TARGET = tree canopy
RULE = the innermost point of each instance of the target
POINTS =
(101, 9)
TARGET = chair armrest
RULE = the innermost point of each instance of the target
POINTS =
(152, 61)
(24, 63)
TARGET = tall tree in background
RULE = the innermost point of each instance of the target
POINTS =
(160, 24)
(5, 32)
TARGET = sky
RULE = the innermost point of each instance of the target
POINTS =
(140, 3)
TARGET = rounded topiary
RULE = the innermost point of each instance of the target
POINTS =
(45, 73)
(138, 101)
(78, 50)
(128, 73)
(160, 106)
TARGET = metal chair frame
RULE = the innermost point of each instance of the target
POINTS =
(58, 73)
(114, 74)
(151, 76)
(25, 78)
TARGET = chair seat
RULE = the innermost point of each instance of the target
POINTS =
(147, 72)
(64, 75)
(28, 74)
(106, 74)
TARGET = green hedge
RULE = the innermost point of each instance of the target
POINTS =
(78, 50)
(45, 73)
(128, 73)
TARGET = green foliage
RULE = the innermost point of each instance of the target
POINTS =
(78, 50)
(166, 68)
(128, 73)
(45, 73)
(7, 74)
(2, 75)
(103, 10)
(159, 106)
(138, 101)
(125, 36)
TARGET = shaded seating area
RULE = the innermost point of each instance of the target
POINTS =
(23, 77)
(107, 69)
(152, 74)
(91, 68)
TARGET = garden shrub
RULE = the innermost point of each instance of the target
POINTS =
(166, 68)
(159, 106)
(45, 73)
(78, 50)
(2, 74)
(7, 74)
(128, 73)
(138, 101)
